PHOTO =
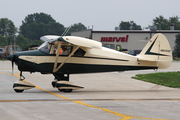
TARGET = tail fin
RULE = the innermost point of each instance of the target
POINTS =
(157, 49)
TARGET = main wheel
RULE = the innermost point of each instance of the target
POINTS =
(18, 91)
(61, 90)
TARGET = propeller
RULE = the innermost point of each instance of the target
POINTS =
(12, 61)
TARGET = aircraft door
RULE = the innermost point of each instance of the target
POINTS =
(78, 61)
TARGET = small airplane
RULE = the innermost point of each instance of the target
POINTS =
(85, 56)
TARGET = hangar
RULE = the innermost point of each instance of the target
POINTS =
(128, 39)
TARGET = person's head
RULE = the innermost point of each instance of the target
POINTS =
(64, 48)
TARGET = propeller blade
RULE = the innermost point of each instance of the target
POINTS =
(12, 58)
(12, 67)
(12, 61)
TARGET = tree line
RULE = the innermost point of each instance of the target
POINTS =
(33, 27)
(39, 24)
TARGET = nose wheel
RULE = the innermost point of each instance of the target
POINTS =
(20, 85)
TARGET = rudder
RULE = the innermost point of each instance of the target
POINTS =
(158, 49)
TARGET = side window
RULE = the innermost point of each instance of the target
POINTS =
(53, 49)
(79, 53)
(64, 50)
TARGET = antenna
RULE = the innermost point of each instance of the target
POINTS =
(65, 32)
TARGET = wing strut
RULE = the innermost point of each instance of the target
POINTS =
(57, 56)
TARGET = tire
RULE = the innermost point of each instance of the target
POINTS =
(66, 90)
(18, 91)
(61, 90)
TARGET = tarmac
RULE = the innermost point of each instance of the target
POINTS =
(106, 96)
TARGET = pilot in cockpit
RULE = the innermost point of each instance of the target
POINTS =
(64, 51)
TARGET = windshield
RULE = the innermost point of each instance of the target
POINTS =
(44, 44)
(45, 48)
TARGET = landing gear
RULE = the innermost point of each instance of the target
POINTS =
(63, 84)
(20, 85)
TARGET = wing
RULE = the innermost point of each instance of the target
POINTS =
(79, 41)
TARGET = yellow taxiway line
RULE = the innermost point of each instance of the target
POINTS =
(124, 117)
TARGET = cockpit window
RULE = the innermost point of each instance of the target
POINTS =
(64, 49)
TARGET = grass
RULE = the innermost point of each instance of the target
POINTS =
(169, 79)
(3, 59)
(176, 59)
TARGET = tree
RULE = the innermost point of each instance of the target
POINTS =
(7, 27)
(21, 40)
(129, 26)
(3, 41)
(76, 27)
(161, 23)
(164, 24)
(124, 25)
(175, 21)
(177, 46)
(10, 39)
(38, 24)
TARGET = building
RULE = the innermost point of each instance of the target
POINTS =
(128, 39)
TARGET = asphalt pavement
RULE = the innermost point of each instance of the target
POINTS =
(107, 96)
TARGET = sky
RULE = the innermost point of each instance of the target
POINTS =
(101, 14)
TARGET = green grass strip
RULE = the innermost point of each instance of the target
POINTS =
(170, 79)
(3, 59)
